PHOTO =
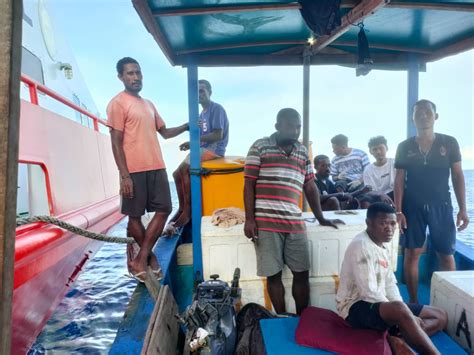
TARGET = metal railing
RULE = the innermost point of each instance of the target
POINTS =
(34, 87)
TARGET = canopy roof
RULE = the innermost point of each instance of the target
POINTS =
(246, 32)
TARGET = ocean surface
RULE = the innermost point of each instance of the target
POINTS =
(88, 318)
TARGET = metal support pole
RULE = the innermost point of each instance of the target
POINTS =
(196, 207)
(412, 97)
(10, 54)
(306, 73)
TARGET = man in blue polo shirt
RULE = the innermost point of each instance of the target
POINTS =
(423, 164)
(214, 137)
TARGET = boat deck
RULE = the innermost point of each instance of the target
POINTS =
(279, 334)
(279, 338)
(131, 333)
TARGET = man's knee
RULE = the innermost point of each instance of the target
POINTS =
(302, 276)
(134, 221)
(332, 204)
(400, 311)
(440, 315)
(274, 278)
(413, 255)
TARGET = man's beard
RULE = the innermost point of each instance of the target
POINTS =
(288, 141)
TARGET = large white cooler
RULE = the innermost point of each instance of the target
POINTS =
(224, 249)
(453, 291)
(322, 293)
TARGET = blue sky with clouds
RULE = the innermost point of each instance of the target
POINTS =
(102, 31)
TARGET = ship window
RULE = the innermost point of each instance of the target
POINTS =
(78, 115)
(31, 65)
(86, 120)
(32, 193)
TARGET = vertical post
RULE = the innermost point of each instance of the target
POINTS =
(33, 94)
(96, 124)
(10, 54)
(306, 75)
(306, 72)
(196, 207)
(412, 97)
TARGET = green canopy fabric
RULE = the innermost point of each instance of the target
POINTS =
(245, 32)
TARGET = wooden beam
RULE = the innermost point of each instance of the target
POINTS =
(299, 48)
(216, 9)
(10, 61)
(387, 47)
(397, 60)
(452, 49)
(240, 45)
(141, 6)
(356, 15)
(447, 6)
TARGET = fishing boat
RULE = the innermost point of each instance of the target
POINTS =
(404, 35)
(242, 33)
(65, 170)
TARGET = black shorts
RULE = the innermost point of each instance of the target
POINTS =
(440, 222)
(151, 192)
(366, 315)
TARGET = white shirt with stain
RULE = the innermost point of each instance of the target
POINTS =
(366, 275)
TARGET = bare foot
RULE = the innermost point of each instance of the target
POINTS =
(153, 261)
(170, 229)
(133, 266)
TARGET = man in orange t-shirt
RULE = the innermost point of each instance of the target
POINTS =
(133, 123)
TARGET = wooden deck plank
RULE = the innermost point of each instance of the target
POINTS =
(162, 333)
(131, 333)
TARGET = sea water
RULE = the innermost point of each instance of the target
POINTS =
(88, 318)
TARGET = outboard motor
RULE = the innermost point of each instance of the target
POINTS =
(210, 319)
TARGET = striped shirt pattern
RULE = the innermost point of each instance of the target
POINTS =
(351, 165)
(280, 179)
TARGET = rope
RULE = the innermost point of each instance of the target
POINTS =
(76, 230)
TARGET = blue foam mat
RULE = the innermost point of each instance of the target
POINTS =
(279, 339)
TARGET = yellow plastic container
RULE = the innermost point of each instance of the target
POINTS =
(224, 185)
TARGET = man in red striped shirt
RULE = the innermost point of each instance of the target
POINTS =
(277, 170)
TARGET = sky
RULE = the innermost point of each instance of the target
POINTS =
(102, 31)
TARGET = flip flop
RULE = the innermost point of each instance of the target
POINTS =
(137, 276)
(158, 273)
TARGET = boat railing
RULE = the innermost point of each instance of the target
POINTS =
(34, 87)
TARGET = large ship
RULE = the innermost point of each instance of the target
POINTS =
(66, 170)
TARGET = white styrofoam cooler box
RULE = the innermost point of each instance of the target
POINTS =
(224, 249)
(322, 293)
(453, 291)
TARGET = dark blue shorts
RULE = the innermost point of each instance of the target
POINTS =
(366, 315)
(438, 218)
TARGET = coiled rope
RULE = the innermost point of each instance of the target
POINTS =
(76, 230)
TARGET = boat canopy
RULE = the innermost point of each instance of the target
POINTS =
(249, 33)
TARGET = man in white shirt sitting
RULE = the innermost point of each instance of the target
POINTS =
(380, 175)
(368, 296)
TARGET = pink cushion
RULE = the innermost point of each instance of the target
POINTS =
(323, 329)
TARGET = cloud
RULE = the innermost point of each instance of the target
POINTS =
(467, 152)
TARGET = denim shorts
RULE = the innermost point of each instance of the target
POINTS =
(438, 219)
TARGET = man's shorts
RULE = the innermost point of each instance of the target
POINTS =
(366, 315)
(275, 249)
(151, 192)
(440, 222)
(205, 155)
